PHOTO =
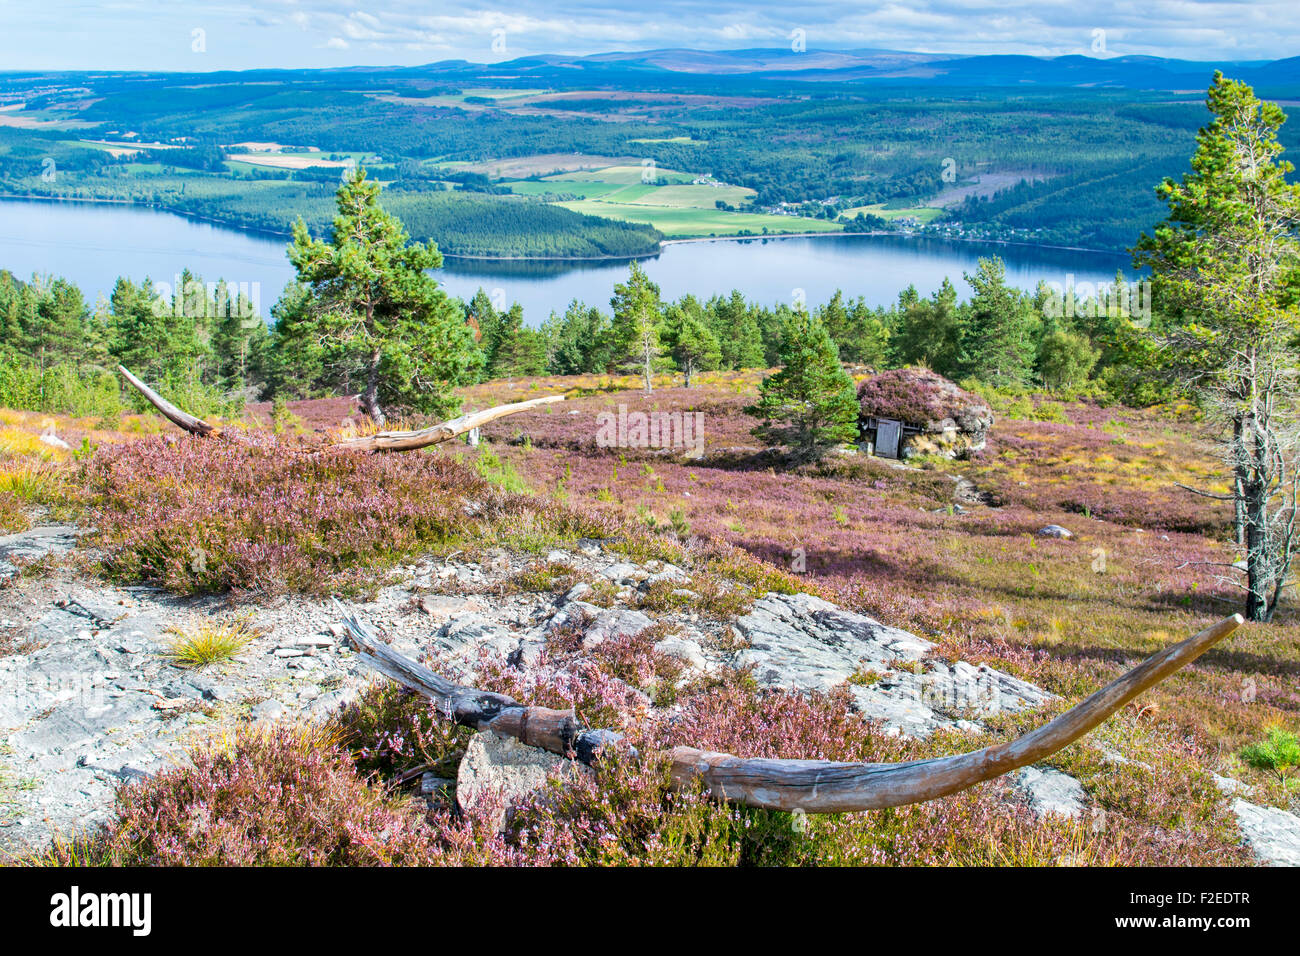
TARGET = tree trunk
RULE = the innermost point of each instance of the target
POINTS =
(370, 397)
(1239, 486)
(1258, 570)
(649, 386)
(689, 369)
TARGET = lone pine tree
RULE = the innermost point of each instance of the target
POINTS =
(1226, 263)
(809, 405)
(372, 298)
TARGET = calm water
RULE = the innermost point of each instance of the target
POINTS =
(93, 244)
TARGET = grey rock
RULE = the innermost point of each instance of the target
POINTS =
(268, 710)
(801, 642)
(670, 573)
(497, 773)
(1055, 531)
(443, 607)
(685, 650)
(32, 545)
(1273, 835)
(331, 701)
(1229, 786)
(465, 634)
(1050, 792)
(625, 573)
(615, 623)
(575, 593)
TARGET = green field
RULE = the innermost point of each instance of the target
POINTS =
(624, 175)
(680, 223)
(924, 214)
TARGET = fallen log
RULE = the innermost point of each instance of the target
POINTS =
(813, 786)
(381, 441)
(443, 431)
(554, 730)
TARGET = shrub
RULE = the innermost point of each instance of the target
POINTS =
(281, 796)
(1278, 753)
(260, 516)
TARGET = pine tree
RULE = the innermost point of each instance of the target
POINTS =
(578, 340)
(372, 294)
(689, 340)
(810, 404)
(634, 335)
(736, 327)
(1226, 263)
(930, 331)
(519, 351)
(484, 322)
(998, 340)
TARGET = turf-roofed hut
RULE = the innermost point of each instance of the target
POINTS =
(914, 411)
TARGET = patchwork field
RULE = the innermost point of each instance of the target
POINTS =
(680, 223)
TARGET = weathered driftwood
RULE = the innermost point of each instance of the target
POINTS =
(813, 786)
(423, 437)
(381, 441)
(195, 426)
(553, 730)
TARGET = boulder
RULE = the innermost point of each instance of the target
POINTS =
(1050, 792)
(498, 773)
(800, 642)
(952, 421)
(1273, 835)
(1055, 531)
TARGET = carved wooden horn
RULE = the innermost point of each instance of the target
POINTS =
(814, 786)
(382, 441)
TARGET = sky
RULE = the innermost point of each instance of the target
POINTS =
(242, 34)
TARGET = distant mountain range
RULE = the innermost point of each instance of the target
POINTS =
(850, 70)
(890, 66)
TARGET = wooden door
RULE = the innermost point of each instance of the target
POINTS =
(888, 433)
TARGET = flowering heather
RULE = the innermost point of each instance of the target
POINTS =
(264, 797)
(889, 541)
(918, 396)
(265, 518)
(880, 537)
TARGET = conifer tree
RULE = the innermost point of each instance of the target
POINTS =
(810, 404)
(372, 295)
(634, 335)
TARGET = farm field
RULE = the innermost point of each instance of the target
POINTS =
(681, 223)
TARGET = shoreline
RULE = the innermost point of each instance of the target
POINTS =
(270, 233)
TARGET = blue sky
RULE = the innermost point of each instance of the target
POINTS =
(234, 34)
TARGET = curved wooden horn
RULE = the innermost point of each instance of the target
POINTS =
(195, 426)
(381, 441)
(822, 786)
(813, 786)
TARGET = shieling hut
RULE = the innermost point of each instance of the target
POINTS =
(911, 411)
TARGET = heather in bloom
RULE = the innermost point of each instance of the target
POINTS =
(268, 518)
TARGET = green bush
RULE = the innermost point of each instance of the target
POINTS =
(1277, 753)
